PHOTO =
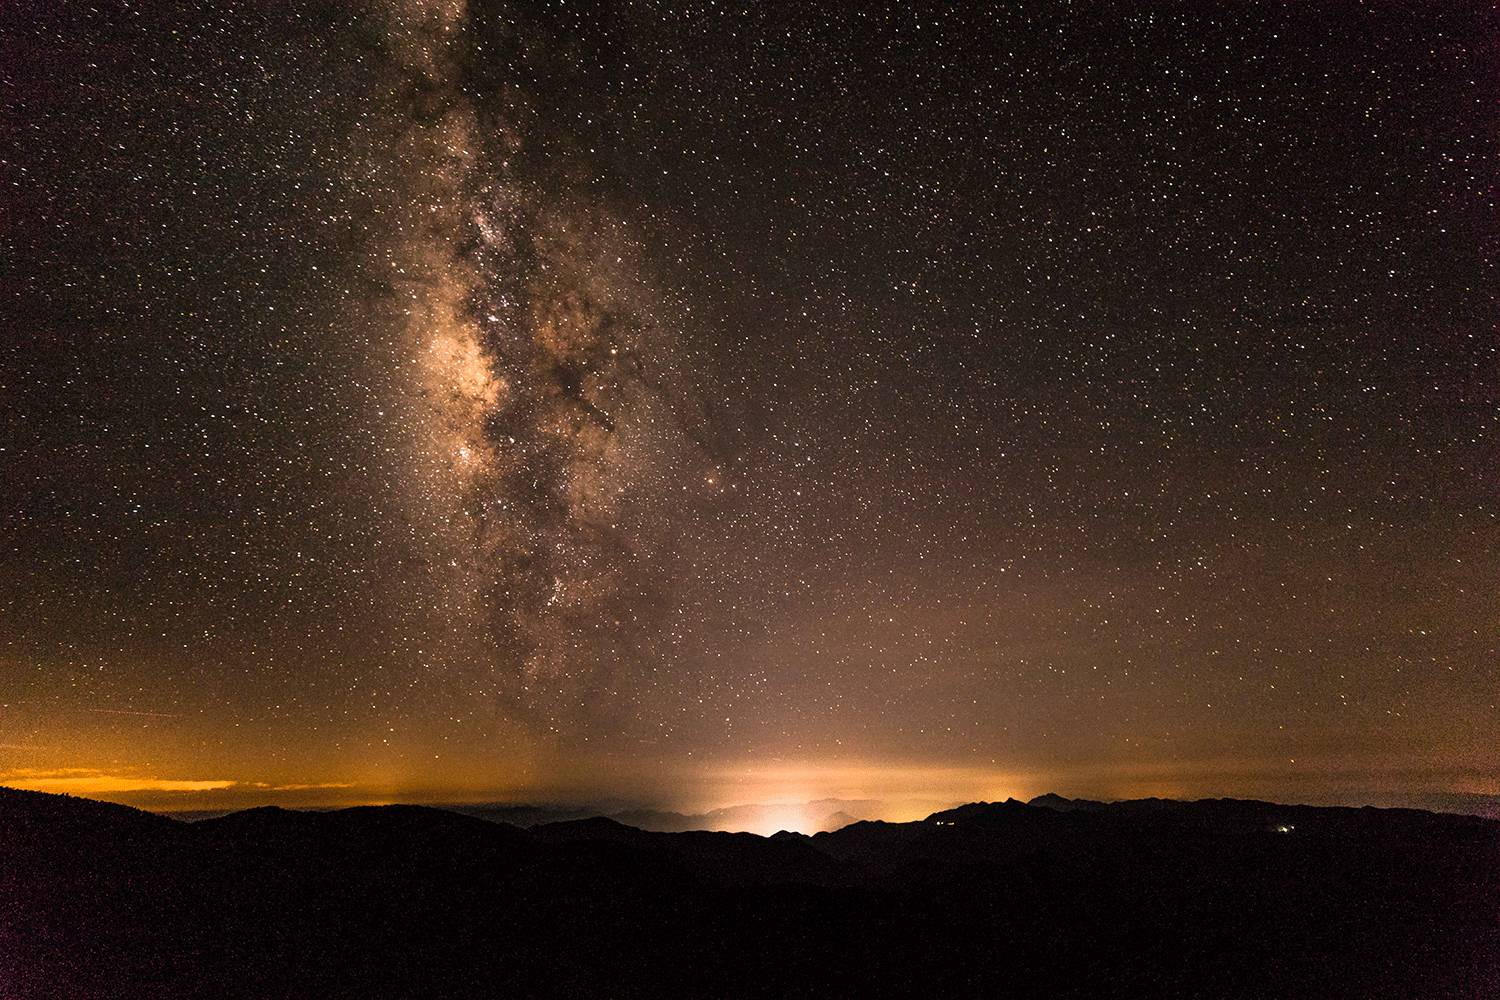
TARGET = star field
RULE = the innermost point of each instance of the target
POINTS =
(503, 400)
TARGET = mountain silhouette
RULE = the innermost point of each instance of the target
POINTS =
(1218, 898)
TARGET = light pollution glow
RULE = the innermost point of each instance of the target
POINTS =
(784, 790)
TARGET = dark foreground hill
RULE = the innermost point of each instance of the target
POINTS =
(1055, 899)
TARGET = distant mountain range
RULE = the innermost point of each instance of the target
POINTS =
(823, 815)
(1056, 897)
(807, 817)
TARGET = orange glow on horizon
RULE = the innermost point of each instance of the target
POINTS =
(86, 781)
(791, 794)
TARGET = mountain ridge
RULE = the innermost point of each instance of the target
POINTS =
(1218, 897)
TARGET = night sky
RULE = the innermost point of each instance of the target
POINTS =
(694, 405)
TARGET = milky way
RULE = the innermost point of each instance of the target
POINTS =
(533, 391)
